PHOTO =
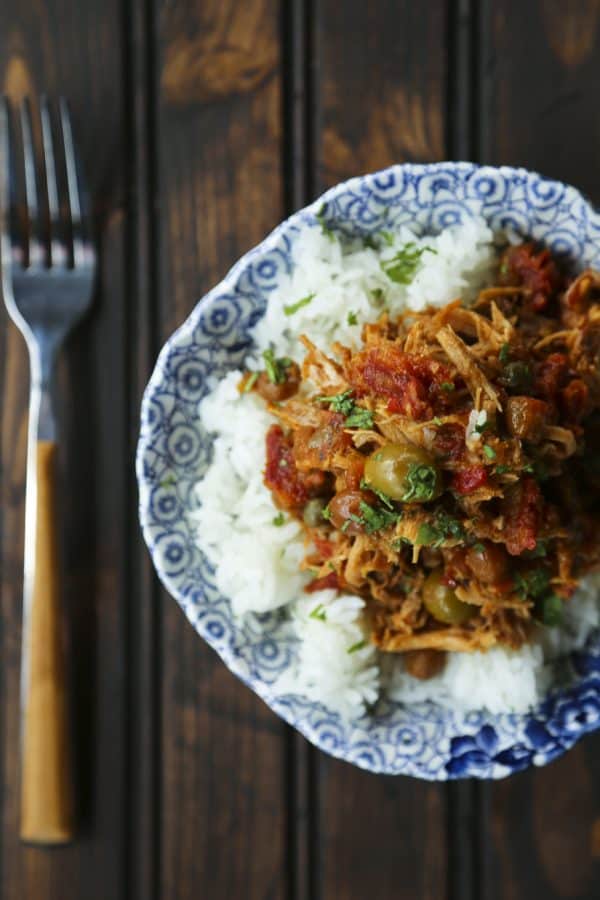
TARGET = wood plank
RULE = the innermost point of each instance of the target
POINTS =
(382, 99)
(540, 68)
(224, 754)
(76, 49)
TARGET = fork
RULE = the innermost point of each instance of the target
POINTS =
(47, 273)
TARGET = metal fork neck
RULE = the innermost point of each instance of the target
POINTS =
(42, 423)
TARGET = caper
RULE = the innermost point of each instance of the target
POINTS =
(441, 602)
(312, 513)
(404, 472)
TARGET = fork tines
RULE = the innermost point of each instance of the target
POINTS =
(38, 232)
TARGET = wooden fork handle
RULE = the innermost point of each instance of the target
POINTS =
(46, 785)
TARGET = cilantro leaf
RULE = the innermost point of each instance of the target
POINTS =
(533, 583)
(360, 418)
(549, 610)
(402, 267)
(279, 519)
(504, 354)
(356, 416)
(436, 532)
(351, 319)
(276, 368)
(422, 483)
(489, 451)
(325, 229)
(318, 613)
(365, 486)
(375, 518)
(250, 382)
(358, 646)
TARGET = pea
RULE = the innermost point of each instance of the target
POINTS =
(442, 603)
(404, 472)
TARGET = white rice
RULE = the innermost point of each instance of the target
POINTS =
(257, 563)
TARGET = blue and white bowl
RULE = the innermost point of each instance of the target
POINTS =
(174, 450)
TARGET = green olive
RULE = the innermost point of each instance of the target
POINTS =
(442, 603)
(404, 472)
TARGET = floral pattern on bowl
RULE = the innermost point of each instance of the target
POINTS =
(421, 740)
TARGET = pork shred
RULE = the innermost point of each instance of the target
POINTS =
(500, 400)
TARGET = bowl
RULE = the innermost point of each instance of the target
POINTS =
(421, 740)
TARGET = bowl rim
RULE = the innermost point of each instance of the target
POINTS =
(228, 283)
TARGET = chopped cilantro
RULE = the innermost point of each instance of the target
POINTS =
(480, 548)
(352, 320)
(326, 513)
(399, 543)
(377, 294)
(422, 483)
(279, 519)
(250, 382)
(448, 386)
(442, 528)
(276, 368)
(549, 610)
(358, 646)
(374, 518)
(502, 469)
(342, 403)
(356, 416)
(489, 451)
(360, 418)
(292, 308)
(402, 267)
(318, 613)
(504, 354)
(532, 584)
(325, 229)
(387, 501)
(437, 421)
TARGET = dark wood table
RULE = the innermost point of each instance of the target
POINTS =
(202, 125)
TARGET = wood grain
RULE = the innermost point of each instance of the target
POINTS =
(382, 102)
(46, 776)
(540, 70)
(223, 809)
(76, 49)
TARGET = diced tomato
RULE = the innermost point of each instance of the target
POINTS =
(449, 441)
(522, 507)
(409, 382)
(329, 581)
(325, 548)
(281, 475)
(537, 271)
(465, 481)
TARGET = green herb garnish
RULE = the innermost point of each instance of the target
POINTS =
(250, 382)
(387, 501)
(437, 421)
(448, 386)
(441, 529)
(276, 369)
(326, 513)
(318, 613)
(325, 229)
(356, 416)
(489, 451)
(532, 584)
(422, 483)
(373, 518)
(538, 551)
(352, 319)
(377, 294)
(388, 237)
(292, 308)
(504, 354)
(399, 543)
(360, 418)
(358, 646)
(502, 469)
(402, 267)
(480, 548)
(279, 519)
